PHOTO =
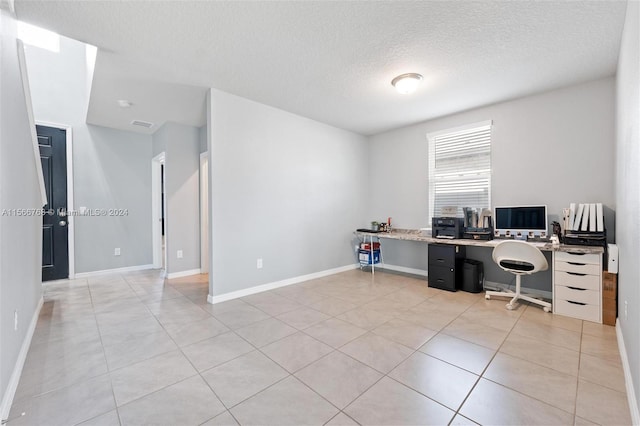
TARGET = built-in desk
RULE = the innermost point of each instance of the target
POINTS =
(416, 235)
(576, 271)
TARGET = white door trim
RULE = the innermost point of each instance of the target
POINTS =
(70, 199)
(204, 212)
(156, 209)
(26, 89)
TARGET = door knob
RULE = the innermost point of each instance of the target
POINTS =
(62, 223)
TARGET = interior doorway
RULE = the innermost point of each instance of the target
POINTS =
(159, 217)
(204, 213)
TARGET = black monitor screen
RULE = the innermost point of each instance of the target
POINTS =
(525, 218)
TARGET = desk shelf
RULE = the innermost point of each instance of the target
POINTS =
(369, 250)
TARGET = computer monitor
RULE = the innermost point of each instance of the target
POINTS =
(521, 221)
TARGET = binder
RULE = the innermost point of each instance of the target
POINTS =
(572, 215)
(600, 218)
(584, 224)
(576, 223)
(588, 226)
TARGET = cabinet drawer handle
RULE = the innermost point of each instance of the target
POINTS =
(576, 254)
(576, 263)
(576, 273)
(440, 260)
(577, 303)
(440, 280)
(577, 288)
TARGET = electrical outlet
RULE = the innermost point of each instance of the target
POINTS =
(116, 251)
(179, 254)
(15, 320)
(625, 309)
(259, 263)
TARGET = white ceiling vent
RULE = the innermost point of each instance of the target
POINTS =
(142, 123)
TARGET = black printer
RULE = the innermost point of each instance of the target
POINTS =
(447, 227)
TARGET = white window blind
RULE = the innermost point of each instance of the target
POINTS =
(460, 168)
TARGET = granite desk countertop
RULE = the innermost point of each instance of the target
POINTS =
(416, 235)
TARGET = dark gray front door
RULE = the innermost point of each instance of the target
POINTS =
(55, 236)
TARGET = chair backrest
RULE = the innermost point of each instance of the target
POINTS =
(519, 257)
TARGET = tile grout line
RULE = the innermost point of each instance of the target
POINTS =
(104, 354)
(115, 401)
(293, 374)
(109, 371)
(359, 305)
(179, 348)
(515, 390)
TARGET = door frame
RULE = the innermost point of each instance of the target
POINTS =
(204, 212)
(71, 219)
(156, 213)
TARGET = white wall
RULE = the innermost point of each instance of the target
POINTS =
(181, 144)
(203, 138)
(112, 168)
(628, 189)
(20, 237)
(552, 148)
(284, 188)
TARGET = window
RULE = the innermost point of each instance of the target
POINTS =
(38, 37)
(460, 168)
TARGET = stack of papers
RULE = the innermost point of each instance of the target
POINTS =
(588, 217)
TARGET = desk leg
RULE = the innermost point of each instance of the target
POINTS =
(373, 260)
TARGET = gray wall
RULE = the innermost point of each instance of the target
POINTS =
(181, 145)
(627, 190)
(112, 168)
(534, 141)
(20, 237)
(284, 188)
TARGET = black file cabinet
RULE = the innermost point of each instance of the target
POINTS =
(446, 264)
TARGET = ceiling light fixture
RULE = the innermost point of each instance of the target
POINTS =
(141, 123)
(406, 83)
(124, 103)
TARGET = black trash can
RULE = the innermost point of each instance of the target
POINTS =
(472, 276)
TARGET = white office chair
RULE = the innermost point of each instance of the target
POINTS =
(519, 258)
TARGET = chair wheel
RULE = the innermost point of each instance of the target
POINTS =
(546, 309)
(487, 297)
(510, 306)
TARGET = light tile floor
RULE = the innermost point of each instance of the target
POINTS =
(346, 349)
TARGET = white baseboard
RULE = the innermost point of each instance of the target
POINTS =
(628, 379)
(533, 292)
(10, 391)
(270, 286)
(113, 271)
(404, 269)
(182, 274)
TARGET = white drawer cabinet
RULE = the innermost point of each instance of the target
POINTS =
(583, 258)
(577, 285)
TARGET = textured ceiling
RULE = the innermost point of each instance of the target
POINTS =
(332, 61)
